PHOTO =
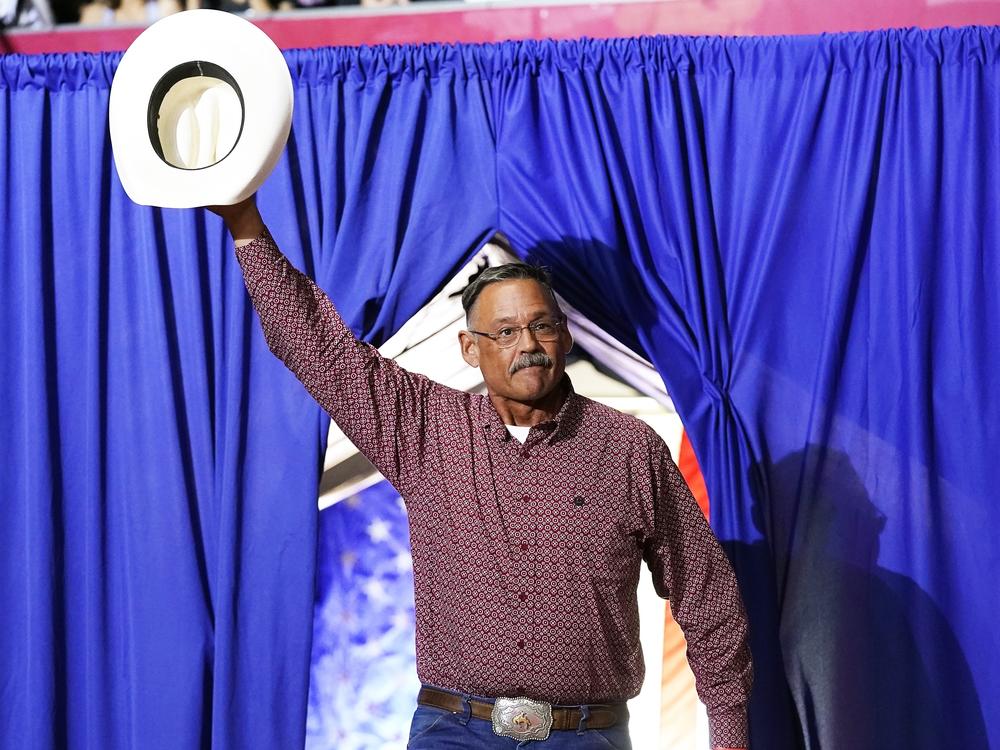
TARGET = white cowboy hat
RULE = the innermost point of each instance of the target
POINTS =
(200, 109)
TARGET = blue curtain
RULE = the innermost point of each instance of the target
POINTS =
(159, 466)
(800, 232)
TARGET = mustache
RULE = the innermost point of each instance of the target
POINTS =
(531, 359)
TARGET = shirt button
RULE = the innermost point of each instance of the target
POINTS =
(525, 454)
(524, 546)
(522, 596)
(520, 644)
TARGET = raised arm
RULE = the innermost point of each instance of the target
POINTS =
(379, 406)
(691, 570)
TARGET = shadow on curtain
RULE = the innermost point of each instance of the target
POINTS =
(860, 626)
(800, 233)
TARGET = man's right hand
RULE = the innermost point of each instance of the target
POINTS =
(243, 219)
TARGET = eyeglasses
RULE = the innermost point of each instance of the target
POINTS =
(545, 329)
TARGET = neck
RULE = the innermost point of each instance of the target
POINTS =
(529, 413)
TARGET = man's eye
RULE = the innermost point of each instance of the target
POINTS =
(542, 327)
(505, 332)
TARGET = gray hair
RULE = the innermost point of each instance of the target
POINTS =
(506, 272)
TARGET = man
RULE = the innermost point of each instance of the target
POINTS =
(530, 509)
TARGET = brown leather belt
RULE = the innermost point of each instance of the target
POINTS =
(602, 715)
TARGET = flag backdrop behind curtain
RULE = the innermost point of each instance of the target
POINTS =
(363, 684)
(800, 233)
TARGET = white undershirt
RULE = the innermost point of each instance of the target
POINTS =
(521, 433)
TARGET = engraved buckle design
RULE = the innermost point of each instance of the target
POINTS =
(522, 718)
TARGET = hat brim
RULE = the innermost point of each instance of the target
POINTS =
(257, 66)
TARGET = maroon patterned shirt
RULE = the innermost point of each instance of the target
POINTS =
(525, 557)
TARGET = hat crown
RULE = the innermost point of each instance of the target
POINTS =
(198, 111)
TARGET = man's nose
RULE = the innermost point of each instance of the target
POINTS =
(528, 342)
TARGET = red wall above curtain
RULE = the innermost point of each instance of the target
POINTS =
(456, 22)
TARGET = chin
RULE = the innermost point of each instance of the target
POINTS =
(539, 386)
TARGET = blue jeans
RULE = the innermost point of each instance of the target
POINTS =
(437, 729)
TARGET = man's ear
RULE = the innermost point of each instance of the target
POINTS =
(470, 348)
(567, 339)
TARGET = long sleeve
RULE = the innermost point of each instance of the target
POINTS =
(379, 406)
(691, 570)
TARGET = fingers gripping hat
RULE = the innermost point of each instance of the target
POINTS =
(200, 109)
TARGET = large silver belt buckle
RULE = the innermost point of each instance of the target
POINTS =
(522, 718)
